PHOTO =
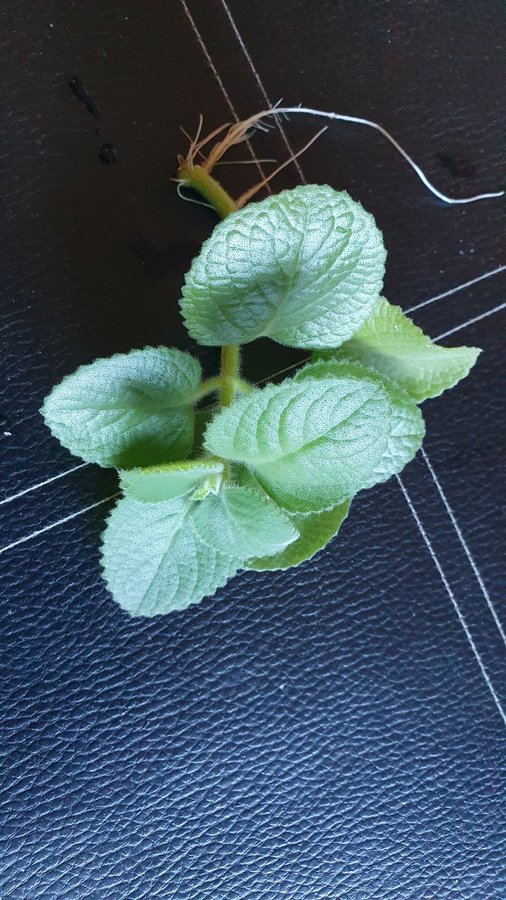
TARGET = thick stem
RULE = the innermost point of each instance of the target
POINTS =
(200, 180)
(230, 362)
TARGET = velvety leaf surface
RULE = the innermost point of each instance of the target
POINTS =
(315, 531)
(244, 522)
(314, 440)
(132, 409)
(304, 267)
(158, 483)
(154, 561)
(393, 345)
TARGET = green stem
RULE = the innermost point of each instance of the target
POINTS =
(209, 386)
(213, 385)
(230, 361)
(200, 180)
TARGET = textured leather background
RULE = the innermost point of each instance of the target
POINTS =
(329, 733)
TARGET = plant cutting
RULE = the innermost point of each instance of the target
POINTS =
(219, 475)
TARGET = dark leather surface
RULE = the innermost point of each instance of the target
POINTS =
(329, 733)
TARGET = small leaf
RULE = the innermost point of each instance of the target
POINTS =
(165, 482)
(133, 409)
(407, 427)
(303, 267)
(393, 345)
(315, 531)
(315, 440)
(243, 522)
(155, 562)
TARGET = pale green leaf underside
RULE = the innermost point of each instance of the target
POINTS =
(303, 267)
(394, 346)
(315, 531)
(244, 522)
(313, 442)
(407, 427)
(165, 482)
(154, 561)
(133, 409)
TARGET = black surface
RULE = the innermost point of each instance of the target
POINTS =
(336, 731)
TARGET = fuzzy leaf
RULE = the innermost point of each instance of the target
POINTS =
(407, 427)
(165, 482)
(315, 531)
(394, 346)
(201, 419)
(133, 409)
(244, 522)
(154, 561)
(303, 267)
(313, 442)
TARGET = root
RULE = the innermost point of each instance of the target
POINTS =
(236, 133)
(243, 199)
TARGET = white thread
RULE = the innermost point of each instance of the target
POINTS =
(453, 599)
(299, 362)
(219, 81)
(262, 88)
(467, 551)
(34, 487)
(55, 524)
(484, 315)
(305, 110)
(454, 290)
(209, 59)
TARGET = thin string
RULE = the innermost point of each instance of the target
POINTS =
(452, 597)
(217, 78)
(260, 84)
(465, 546)
(43, 530)
(35, 487)
(308, 111)
(484, 315)
(454, 290)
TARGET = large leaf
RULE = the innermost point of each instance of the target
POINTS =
(244, 522)
(170, 480)
(314, 440)
(303, 267)
(154, 561)
(133, 409)
(407, 427)
(393, 345)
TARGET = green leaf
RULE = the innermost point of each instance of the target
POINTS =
(154, 561)
(165, 482)
(244, 522)
(133, 409)
(394, 346)
(201, 419)
(315, 531)
(315, 440)
(407, 427)
(303, 267)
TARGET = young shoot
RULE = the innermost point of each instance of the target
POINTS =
(264, 478)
